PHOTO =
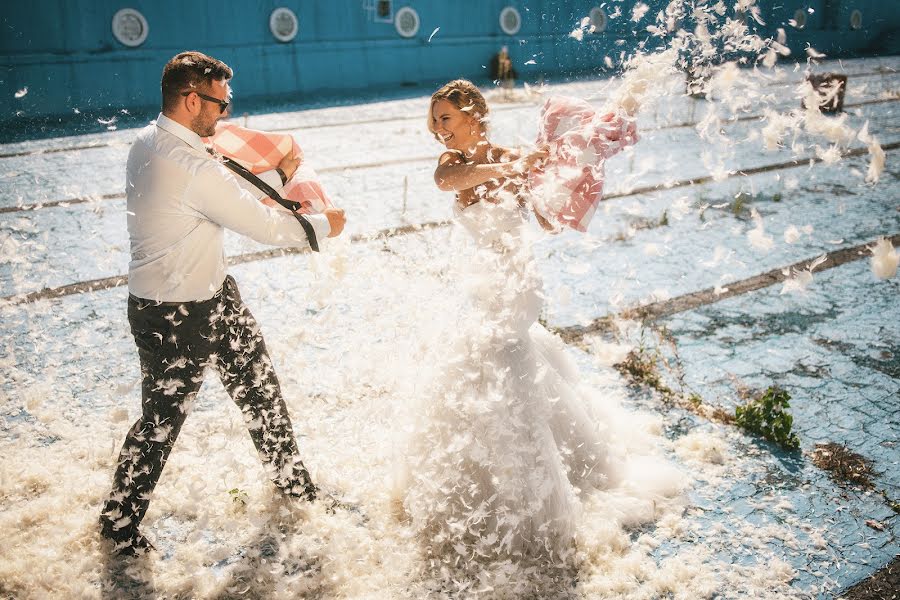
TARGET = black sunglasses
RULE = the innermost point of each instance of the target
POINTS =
(223, 104)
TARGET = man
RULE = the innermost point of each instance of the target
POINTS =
(185, 313)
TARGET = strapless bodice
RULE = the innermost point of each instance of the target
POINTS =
(494, 225)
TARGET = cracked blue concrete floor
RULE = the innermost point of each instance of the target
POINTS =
(836, 349)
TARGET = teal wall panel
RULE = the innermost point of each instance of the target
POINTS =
(64, 51)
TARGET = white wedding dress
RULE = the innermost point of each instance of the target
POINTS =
(506, 438)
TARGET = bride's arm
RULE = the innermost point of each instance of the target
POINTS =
(454, 175)
(519, 188)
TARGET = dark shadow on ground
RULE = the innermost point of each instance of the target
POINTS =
(126, 577)
(267, 561)
(883, 585)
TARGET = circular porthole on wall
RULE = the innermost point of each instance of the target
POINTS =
(406, 21)
(283, 24)
(598, 19)
(856, 19)
(129, 27)
(799, 19)
(510, 20)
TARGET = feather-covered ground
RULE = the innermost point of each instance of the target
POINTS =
(349, 331)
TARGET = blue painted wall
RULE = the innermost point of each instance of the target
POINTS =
(64, 51)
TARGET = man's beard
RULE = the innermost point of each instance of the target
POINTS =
(203, 128)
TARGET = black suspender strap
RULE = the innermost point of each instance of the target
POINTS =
(271, 193)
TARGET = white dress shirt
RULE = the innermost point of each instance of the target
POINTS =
(180, 201)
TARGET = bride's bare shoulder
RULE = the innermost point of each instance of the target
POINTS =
(451, 157)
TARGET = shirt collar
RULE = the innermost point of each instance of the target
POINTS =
(180, 131)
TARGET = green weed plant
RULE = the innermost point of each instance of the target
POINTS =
(768, 417)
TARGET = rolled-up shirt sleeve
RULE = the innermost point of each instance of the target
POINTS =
(216, 194)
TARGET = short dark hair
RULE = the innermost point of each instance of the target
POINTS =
(189, 70)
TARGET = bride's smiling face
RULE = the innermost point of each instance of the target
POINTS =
(455, 128)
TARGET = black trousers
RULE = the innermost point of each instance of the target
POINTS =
(176, 343)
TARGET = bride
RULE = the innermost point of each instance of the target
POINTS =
(506, 439)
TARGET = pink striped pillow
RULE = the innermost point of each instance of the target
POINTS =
(569, 185)
(261, 151)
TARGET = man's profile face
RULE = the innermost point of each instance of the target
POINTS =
(204, 124)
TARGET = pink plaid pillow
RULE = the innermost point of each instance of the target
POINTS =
(261, 151)
(569, 185)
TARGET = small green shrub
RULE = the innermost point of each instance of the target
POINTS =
(741, 200)
(767, 416)
(238, 496)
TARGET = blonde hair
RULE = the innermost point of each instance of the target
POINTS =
(464, 95)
